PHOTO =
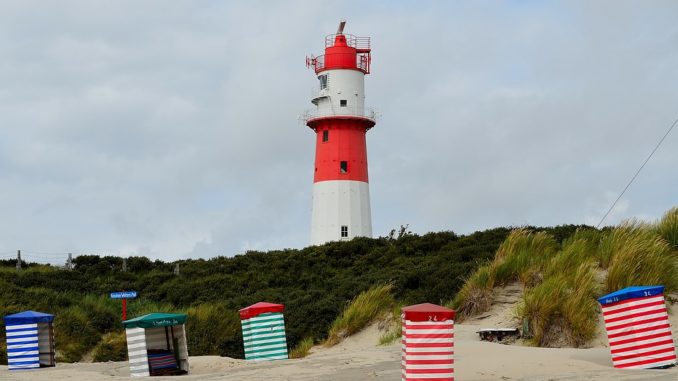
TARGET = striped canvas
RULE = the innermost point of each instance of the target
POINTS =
(427, 350)
(264, 337)
(639, 333)
(22, 346)
(136, 352)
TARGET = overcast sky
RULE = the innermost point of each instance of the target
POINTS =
(170, 128)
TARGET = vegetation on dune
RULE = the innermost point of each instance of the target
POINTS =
(313, 283)
(562, 281)
(641, 257)
(302, 349)
(112, 347)
(366, 308)
(393, 326)
(668, 227)
(521, 257)
(561, 264)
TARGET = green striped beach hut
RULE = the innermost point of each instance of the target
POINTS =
(263, 332)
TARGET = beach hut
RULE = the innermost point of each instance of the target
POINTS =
(638, 328)
(427, 342)
(30, 340)
(156, 345)
(263, 332)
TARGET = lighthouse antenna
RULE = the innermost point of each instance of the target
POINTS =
(342, 23)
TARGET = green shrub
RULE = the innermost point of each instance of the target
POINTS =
(112, 347)
(74, 333)
(364, 309)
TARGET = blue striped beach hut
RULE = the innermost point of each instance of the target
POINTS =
(263, 331)
(30, 340)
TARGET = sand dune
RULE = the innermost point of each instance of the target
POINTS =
(359, 358)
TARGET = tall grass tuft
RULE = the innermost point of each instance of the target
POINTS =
(112, 347)
(475, 296)
(395, 327)
(667, 227)
(522, 256)
(214, 329)
(364, 309)
(562, 310)
(302, 349)
(639, 256)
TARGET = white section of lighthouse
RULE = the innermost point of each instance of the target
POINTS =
(341, 196)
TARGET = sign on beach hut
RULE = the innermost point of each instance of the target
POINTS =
(427, 342)
(263, 331)
(156, 345)
(638, 329)
(30, 340)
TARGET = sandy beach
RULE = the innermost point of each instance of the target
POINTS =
(359, 358)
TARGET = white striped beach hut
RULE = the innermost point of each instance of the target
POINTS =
(30, 340)
(157, 345)
(638, 329)
(263, 332)
(427, 343)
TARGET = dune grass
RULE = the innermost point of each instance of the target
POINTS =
(302, 349)
(364, 309)
(112, 347)
(475, 296)
(395, 327)
(521, 257)
(562, 310)
(561, 284)
(667, 228)
(640, 256)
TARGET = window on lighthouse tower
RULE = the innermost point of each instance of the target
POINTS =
(326, 135)
(344, 231)
(343, 166)
(323, 81)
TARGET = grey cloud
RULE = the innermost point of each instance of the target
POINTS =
(170, 129)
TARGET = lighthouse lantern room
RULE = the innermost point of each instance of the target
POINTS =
(341, 197)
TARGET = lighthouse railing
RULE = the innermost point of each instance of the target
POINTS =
(351, 40)
(367, 113)
(362, 62)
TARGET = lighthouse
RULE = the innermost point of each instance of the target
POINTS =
(341, 195)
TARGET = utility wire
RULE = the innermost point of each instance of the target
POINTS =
(637, 172)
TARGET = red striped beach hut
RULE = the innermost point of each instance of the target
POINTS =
(638, 329)
(428, 343)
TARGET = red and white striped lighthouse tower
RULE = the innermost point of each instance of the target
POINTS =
(341, 196)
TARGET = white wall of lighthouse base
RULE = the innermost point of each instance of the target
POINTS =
(340, 203)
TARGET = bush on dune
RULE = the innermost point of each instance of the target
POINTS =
(112, 347)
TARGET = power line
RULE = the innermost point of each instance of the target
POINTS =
(43, 252)
(637, 172)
